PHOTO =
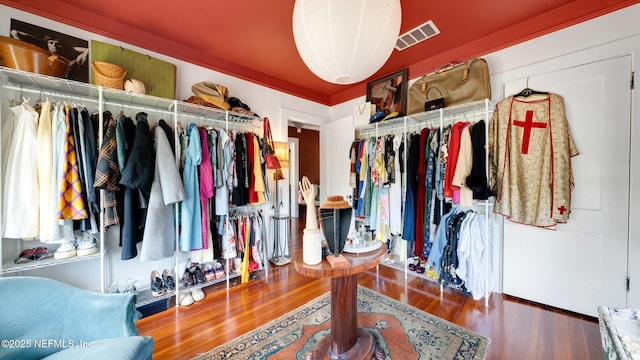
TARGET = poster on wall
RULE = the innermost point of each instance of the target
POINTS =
(71, 48)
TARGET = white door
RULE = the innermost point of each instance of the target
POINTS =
(335, 146)
(583, 263)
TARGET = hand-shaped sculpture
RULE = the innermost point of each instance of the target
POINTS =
(309, 195)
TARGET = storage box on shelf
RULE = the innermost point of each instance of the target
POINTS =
(21, 84)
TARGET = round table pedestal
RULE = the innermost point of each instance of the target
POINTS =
(364, 348)
(346, 341)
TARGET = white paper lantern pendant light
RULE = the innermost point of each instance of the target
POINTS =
(346, 41)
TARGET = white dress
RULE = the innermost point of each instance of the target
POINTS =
(21, 191)
(48, 206)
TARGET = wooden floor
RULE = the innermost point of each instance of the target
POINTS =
(517, 329)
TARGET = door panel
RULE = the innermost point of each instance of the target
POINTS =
(583, 263)
(335, 145)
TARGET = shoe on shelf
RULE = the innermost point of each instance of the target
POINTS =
(130, 287)
(218, 270)
(187, 278)
(65, 251)
(199, 275)
(168, 280)
(420, 268)
(414, 265)
(186, 299)
(209, 274)
(25, 256)
(197, 294)
(157, 288)
(42, 253)
(88, 245)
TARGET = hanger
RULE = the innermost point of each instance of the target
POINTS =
(526, 92)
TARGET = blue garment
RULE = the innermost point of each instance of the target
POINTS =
(409, 221)
(440, 241)
(191, 219)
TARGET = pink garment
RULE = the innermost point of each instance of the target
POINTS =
(206, 185)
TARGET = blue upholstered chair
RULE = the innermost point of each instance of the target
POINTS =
(45, 318)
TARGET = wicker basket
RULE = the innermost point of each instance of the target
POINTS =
(108, 75)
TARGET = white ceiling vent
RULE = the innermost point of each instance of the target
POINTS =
(417, 35)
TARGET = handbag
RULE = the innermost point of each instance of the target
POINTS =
(434, 104)
(269, 149)
(458, 84)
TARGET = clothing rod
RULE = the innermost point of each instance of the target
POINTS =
(232, 121)
(89, 99)
(446, 119)
(138, 107)
(118, 104)
(49, 93)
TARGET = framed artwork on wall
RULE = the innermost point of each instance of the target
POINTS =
(71, 48)
(389, 95)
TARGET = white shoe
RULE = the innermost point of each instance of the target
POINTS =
(197, 294)
(88, 246)
(186, 299)
(65, 251)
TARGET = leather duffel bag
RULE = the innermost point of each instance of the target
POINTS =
(458, 84)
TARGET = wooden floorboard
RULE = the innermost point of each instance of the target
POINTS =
(518, 329)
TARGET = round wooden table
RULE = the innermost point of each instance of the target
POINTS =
(346, 341)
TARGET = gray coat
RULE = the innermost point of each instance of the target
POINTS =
(167, 189)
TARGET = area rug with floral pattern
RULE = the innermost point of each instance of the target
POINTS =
(401, 331)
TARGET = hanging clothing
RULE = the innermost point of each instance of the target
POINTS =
(452, 159)
(258, 173)
(475, 266)
(108, 171)
(240, 194)
(21, 191)
(530, 148)
(205, 172)
(224, 161)
(77, 131)
(477, 180)
(463, 167)
(191, 220)
(395, 190)
(226, 229)
(47, 208)
(360, 169)
(166, 190)
(421, 193)
(90, 158)
(137, 177)
(71, 205)
(244, 268)
(409, 219)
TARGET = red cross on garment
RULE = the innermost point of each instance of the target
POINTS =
(562, 209)
(527, 125)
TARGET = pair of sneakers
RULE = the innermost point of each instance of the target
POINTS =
(189, 297)
(87, 246)
(160, 285)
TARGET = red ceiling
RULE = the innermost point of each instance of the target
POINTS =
(253, 40)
